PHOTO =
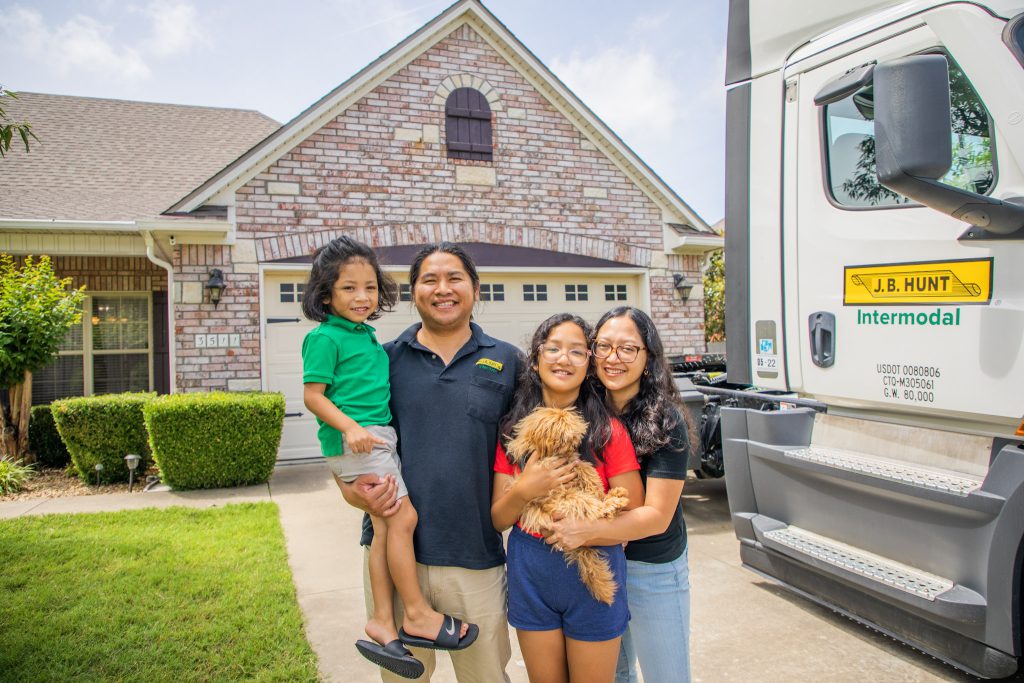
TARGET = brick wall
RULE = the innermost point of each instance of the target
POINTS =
(111, 273)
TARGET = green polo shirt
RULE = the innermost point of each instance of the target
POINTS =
(347, 358)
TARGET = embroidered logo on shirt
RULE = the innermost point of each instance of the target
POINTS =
(490, 365)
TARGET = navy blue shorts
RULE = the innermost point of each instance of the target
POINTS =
(545, 593)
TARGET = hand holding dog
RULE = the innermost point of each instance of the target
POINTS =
(569, 534)
(541, 476)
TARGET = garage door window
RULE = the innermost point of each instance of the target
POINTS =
(492, 292)
(535, 292)
(291, 292)
(615, 292)
(404, 292)
(576, 293)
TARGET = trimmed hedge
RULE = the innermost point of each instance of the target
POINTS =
(216, 439)
(44, 439)
(103, 429)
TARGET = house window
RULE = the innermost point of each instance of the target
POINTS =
(535, 292)
(404, 292)
(576, 293)
(615, 292)
(492, 292)
(468, 125)
(291, 292)
(109, 352)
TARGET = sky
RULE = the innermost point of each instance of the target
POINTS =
(651, 69)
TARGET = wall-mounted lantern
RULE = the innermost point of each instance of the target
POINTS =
(682, 285)
(215, 285)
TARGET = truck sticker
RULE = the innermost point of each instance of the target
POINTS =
(766, 358)
(931, 283)
(907, 382)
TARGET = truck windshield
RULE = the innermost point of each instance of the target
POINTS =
(850, 131)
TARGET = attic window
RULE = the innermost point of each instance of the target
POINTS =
(468, 125)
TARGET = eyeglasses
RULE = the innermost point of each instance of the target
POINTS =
(552, 354)
(627, 353)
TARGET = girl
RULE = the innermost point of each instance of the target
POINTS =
(345, 372)
(638, 388)
(564, 633)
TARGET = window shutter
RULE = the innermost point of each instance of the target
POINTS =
(468, 125)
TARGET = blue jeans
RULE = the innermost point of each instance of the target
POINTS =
(659, 632)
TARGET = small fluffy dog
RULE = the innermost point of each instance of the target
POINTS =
(554, 434)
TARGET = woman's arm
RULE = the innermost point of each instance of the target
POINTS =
(653, 517)
(511, 495)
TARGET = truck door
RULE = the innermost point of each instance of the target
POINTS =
(892, 311)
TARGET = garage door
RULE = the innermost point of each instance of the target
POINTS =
(512, 305)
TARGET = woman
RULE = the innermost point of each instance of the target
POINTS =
(564, 633)
(630, 364)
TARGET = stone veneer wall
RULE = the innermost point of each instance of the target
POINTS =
(379, 171)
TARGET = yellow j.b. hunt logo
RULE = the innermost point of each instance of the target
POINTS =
(492, 365)
(934, 282)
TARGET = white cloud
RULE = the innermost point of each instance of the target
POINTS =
(176, 27)
(81, 44)
(629, 90)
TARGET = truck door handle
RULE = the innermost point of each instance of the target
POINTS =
(823, 338)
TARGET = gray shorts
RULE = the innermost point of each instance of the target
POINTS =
(382, 460)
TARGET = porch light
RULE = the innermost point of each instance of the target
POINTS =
(682, 285)
(132, 461)
(216, 286)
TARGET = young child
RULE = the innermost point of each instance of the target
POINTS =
(345, 373)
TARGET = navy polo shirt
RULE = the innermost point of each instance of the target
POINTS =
(447, 423)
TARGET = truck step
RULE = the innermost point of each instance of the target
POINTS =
(893, 470)
(885, 571)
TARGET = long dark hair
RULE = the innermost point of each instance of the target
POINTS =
(327, 261)
(529, 394)
(657, 409)
(445, 248)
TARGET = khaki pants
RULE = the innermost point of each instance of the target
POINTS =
(477, 596)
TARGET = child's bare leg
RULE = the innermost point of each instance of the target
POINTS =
(381, 626)
(420, 618)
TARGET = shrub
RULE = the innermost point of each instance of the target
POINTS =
(214, 440)
(13, 475)
(102, 430)
(44, 439)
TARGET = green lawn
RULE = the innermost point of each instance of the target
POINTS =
(150, 595)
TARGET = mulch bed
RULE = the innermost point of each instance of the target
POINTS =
(56, 483)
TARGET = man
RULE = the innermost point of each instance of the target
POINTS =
(450, 384)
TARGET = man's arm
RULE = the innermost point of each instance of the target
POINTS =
(372, 494)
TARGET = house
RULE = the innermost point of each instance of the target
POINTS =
(457, 133)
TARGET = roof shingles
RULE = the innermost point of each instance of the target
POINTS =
(114, 160)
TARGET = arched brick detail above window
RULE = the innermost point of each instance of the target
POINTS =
(453, 83)
(303, 244)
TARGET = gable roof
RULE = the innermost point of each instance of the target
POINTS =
(503, 41)
(113, 160)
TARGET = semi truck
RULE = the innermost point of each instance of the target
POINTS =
(875, 286)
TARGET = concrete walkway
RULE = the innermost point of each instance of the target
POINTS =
(744, 628)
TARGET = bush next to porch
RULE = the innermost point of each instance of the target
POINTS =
(44, 439)
(102, 430)
(217, 439)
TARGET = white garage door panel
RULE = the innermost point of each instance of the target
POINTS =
(512, 320)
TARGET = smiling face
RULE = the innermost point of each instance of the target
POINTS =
(444, 293)
(560, 377)
(622, 380)
(354, 294)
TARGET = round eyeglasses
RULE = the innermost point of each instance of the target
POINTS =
(552, 354)
(627, 353)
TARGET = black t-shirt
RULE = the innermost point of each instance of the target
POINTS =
(447, 423)
(668, 462)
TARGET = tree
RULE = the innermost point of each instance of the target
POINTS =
(36, 311)
(714, 297)
(8, 126)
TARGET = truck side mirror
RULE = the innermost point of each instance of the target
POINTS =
(913, 144)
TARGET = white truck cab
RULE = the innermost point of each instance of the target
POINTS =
(875, 265)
